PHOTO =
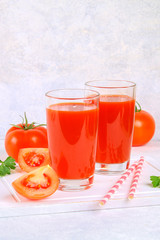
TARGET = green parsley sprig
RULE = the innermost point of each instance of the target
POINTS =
(6, 166)
(155, 181)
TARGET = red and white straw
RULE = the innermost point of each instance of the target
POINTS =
(135, 180)
(115, 187)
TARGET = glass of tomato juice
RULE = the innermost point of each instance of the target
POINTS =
(116, 122)
(72, 128)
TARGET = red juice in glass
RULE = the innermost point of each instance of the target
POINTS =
(72, 129)
(116, 123)
(116, 117)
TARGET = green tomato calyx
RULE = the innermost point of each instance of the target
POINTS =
(137, 107)
(25, 125)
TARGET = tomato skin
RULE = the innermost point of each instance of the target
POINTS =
(144, 128)
(17, 138)
(31, 154)
(37, 178)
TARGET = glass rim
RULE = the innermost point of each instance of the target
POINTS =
(96, 94)
(130, 84)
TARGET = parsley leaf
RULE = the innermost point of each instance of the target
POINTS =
(155, 181)
(6, 166)
(10, 162)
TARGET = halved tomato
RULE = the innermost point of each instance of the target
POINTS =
(32, 158)
(37, 184)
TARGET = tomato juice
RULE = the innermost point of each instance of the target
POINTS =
(116, 118)
(72, 136)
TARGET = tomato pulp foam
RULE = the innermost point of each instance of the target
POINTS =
(116, 118)
(72, 136)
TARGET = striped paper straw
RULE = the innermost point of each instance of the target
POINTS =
(135, 180)
(115, 187)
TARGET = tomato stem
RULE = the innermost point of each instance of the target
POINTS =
(137, 107)
(25, 125)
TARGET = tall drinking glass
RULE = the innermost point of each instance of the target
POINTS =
(116, 119)
(72, 127)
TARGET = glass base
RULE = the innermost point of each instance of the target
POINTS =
(75, 185)
(109, 169)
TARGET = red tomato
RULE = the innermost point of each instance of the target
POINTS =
(144, 128)
(32, 158)
(25, 136)
(37, 184)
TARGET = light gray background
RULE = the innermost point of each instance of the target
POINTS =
(47, 44)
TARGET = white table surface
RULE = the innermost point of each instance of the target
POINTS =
(125, 223)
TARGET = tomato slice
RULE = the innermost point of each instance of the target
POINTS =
(28, 182)
(32, 158)
(38, 184)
